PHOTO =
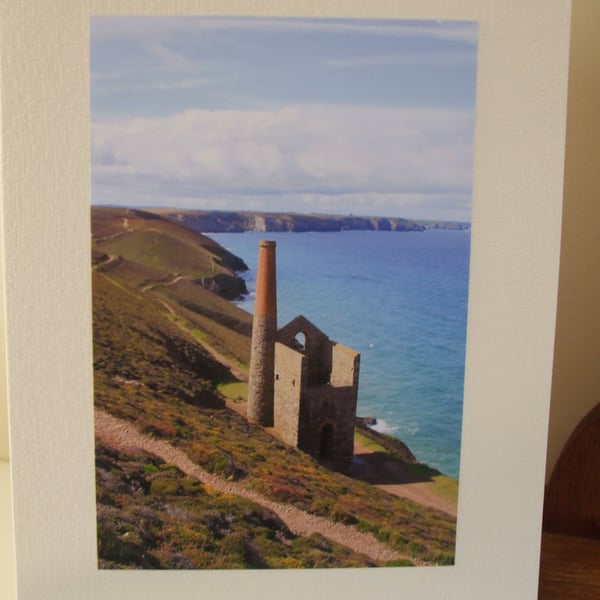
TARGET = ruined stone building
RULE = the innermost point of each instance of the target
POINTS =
(301, 383)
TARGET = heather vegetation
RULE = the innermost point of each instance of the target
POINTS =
(169, 352)
(150, 515)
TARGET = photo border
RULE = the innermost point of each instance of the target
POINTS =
(517, 205)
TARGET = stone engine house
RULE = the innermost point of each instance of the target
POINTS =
(301, 383)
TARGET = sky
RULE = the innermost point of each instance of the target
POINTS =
(333, 116)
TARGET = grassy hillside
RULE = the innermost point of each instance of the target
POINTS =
(157, 246)
(165, 350)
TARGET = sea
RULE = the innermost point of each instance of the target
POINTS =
(400, 299)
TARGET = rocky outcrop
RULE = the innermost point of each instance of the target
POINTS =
(449, 225)
(389, 443)
(229, 287)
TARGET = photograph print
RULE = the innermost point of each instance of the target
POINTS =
(280, 222)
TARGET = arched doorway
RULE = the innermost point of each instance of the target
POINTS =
(326, 443)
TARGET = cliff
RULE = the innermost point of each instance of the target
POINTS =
(238, 221)
(451, 225)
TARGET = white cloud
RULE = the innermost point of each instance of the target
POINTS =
(338, 154)
(305, 156)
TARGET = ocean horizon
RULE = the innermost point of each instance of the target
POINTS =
(398, 298)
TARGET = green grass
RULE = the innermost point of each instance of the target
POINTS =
(440, 485)
(445, 487)
(236, 391)
(368, 443)
(160, 251)
(221, 324)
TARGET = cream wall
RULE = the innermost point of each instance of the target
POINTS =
(576, 377)
(576, 384)
(3, 400)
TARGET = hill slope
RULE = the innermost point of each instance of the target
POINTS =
(158, 247)
(165, 348)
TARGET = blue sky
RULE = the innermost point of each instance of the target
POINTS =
(330, 115)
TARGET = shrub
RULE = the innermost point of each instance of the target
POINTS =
(150, 469)
(163, 486)
(159, 429)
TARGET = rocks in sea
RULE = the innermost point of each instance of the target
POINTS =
(369, 421)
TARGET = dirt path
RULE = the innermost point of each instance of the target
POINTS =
(122, 436)
(389, 476)
(422, 494)
(220, 358)
(111, 259)
(171, 280)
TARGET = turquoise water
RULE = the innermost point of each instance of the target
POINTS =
(400, 299)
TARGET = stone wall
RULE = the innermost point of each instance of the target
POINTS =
(322, 406)
(345, 366)
(290, 376)
(316, 388)
(316, 346)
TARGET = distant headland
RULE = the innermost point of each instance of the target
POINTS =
(217, 221)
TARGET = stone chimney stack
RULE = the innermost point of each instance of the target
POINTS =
(264, 329)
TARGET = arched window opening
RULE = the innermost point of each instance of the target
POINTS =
(301, 340)
(326, 443)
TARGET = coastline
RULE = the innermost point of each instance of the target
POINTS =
(392, 476)
(218, 221)
(396, 472)
(411, 348)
